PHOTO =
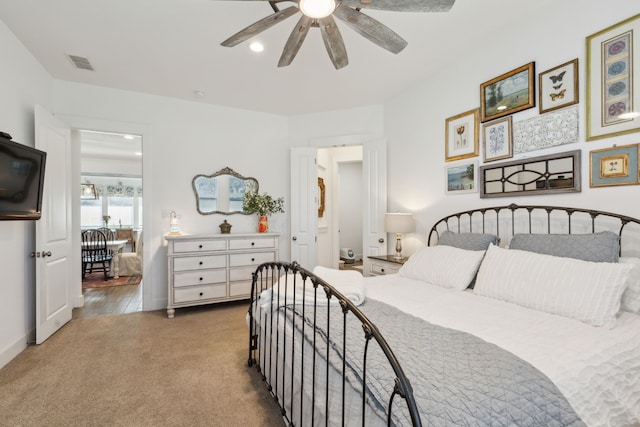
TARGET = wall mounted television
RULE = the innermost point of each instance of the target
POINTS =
(21, 180)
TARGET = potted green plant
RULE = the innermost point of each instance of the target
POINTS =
(263, 205)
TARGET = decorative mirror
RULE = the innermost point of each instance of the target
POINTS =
(221, 192)
(555, 173)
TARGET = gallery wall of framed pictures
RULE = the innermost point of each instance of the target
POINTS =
(612, 109)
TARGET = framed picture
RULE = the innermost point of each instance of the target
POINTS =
(508, 93)
(496, 139)
(558, 87)
(614, 166)
(461, 136)
(88, 192)
(613, 97)
(462, 178)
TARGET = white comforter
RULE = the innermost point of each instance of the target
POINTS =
(597, 369)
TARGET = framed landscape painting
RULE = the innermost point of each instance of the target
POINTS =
(506, 94)
(462, 178)
(613, 95)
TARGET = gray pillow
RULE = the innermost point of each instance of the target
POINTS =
(468, 241)
(596, 247)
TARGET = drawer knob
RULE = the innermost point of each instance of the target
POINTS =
(201, 262)
(253, 259)
(382, 269)
(199, 246)
(253, 243)
(201, 279)
(201, 294)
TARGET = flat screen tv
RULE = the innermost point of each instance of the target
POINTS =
(21, 180)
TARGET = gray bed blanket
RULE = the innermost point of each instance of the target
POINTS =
(458, 379)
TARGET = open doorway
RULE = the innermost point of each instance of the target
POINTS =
(111, 203)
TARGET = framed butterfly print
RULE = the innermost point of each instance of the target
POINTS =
(558, 87)
(613, 95)
(461, 136)
(508, 93)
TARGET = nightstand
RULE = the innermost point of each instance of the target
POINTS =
(384, 264)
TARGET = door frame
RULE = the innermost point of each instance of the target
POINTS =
(102, 125)
(353, 140)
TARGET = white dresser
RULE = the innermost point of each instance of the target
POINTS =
(211, 268)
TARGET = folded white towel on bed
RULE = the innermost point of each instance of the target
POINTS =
(347, 282)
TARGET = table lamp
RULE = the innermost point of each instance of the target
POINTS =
(398, 223)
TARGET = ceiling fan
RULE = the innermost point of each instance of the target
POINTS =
(320, 13)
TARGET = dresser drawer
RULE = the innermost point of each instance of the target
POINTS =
(252, 243)
(199, 245)
(381, 269)
(244, 273)
(255, 259)
(204, 277)
(199, 262)
(240, 289)
(197, 293)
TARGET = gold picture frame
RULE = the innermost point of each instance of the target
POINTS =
(508, 93)
(613, 97)
(558, 87)
(321, 191)
(614, 166)
(461, 136)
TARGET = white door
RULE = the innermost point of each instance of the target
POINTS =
(304, 206)
(53, 230)
(374, 179)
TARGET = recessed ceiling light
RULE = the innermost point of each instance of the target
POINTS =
(256, 46)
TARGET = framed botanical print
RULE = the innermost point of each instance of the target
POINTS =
(462, 178)
(613, 95)
(508, 93)
(558, 87)
(497, 139)
(461, 136)
(614, 166)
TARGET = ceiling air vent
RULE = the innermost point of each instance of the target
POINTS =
(81, 62)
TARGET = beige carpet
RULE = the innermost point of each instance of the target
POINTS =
(140, 369)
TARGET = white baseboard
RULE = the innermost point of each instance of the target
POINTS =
(9, 353)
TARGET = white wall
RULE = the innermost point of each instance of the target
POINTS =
(414, 121)
(23, 83)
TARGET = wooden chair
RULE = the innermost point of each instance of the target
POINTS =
(94, 251)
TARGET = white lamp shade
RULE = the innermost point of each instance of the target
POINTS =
(399, 222)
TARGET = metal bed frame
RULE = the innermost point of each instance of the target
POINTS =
(503, 221)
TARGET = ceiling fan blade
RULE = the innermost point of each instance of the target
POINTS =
(333, 42)
(260, 26)
(402, 6)
(371, 29)
(295, 40)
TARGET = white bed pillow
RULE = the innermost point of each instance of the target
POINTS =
(444, 266)
(631, 296)
(583, 290)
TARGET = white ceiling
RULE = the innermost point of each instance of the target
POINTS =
(172, 48)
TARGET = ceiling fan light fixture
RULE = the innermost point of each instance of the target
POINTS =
(317, 8)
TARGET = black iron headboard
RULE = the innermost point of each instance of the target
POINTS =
(505, 221)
